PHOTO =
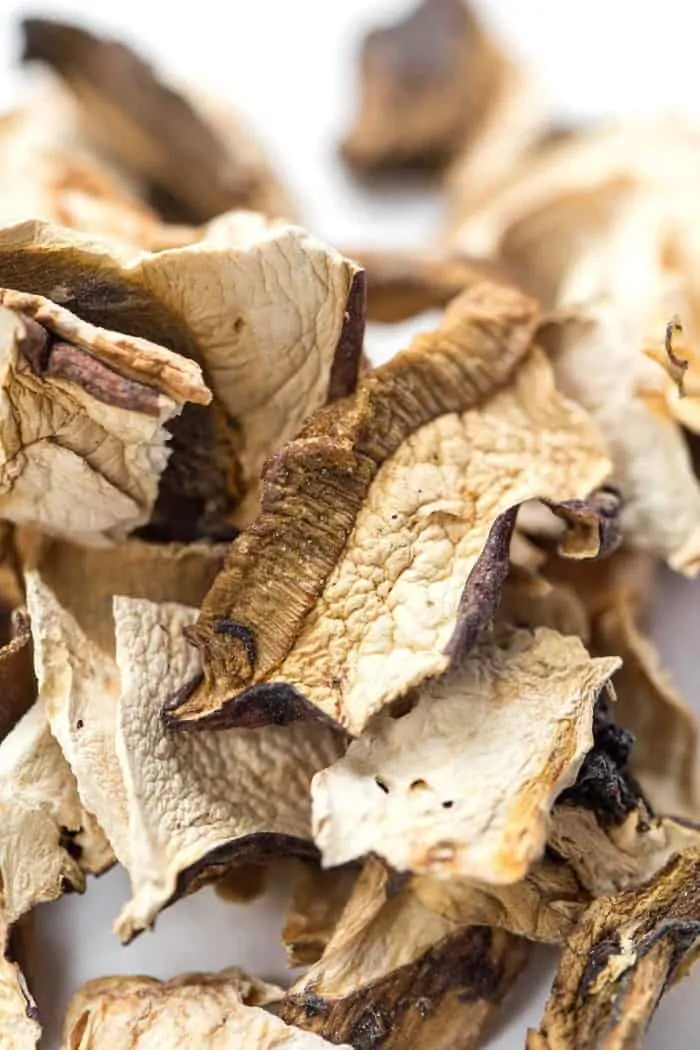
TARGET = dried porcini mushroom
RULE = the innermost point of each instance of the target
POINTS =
(603, 825)
(216, 804)
(192, 168)
(619, 960)
(217, 1011)
(347, 589)
(398, 975)
(435, 85)
(463, 784)
(87, 406)
(19, 1022)
(47, 174)
(274, 318)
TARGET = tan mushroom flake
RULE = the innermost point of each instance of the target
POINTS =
(19, 1025)
(82, 445)
(397, 975)
(47, 840)
(463, 784)
(395, 492)
(274, 318)
(216, 1011)
(620, 959)
(178, 809)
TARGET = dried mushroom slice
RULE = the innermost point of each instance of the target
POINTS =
(665, 754)
(214, 804)
(435, 85)
(19, 1019)
(620, 959)
(396, 975)
(593, 355)
(318, 901)
(346, 591)
(47, 840)
(463, 784)
(603, 825)
(274, 317)
(216, 1011)
(543, 906)
(193, 169)
(47, 174)
(402, 284)
(86, 408)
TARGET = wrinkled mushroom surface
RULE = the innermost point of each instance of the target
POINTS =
(463, 783)
(619, 960)
(346, 591)
(217, 1011)
(178, 810)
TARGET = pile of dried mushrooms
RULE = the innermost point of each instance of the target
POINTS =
(261, 600)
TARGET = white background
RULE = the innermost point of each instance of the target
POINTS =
(288, 64)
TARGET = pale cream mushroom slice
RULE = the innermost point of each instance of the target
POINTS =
(464, 783)
(216, 1011)
(624, 953)
(348, 588)
(192, 163)
(397, 975)
(178, 810)
(19, 1020)
(83, 410)
(274, 318)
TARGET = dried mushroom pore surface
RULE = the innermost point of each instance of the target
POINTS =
(217, 1011)
(349, 588)
(271, 317)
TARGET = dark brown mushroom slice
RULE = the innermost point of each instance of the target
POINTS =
(621, 957)
(17, 679)
(150, 129)
(426, 81)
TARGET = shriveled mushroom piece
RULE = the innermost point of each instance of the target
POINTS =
(216, 1011)
(83, 441)
(624, 953)
(603, 825)
(178, 810)
(463, 784)
(19, 1022)
(195, 167)
(347, 589)
(273, 316)
(434, 85)
(399, 976)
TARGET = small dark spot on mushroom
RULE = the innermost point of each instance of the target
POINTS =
(381, 785)
(79, 724)
(448, 804)
(418, 785)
